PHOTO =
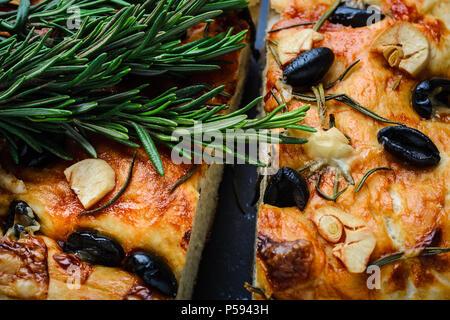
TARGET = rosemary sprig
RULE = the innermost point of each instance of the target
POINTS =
(326, 15)
(336, 192)
(127, 116)
(342, 76)
(107, 49)
(256, 290)
(141, 39)
(403, 255)
(119, 193)
(320, 100)
(274, 53)
(184, 178)
(358, 107)
(55, 14)
(346, 99)
(292, 26)
(397, 83)
(367, 175)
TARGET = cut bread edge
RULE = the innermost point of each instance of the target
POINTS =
(207, 203)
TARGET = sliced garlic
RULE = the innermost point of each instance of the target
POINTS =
(10, 183)
(356, 250)
(328, 145)
(91, 180)
(359, 239)
(330, 228)
(291, 45)
(404, 47)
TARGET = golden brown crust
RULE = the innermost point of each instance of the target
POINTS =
(23, 268)
(404, 208)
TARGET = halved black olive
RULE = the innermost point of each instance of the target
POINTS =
(409, 145)
(434, 92)
(21, 215)
(353, 17)
(287, 188)
(153, 271)
(94, 249)
(309, 67)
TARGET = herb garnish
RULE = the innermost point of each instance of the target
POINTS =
(336, 192)
(397, 83)
(429, 251)
(141, 39)
(346, 99)
(256, 290)
(121, 191)
(274, 54)
(184, 178)
(326, 15)
(292, 26)
(320, 100)
(342, 76)
(367, 175)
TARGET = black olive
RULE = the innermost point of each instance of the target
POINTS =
(309, 67)
(94, 249)
(21, 214)
(409, 145)
(29, 157)
(431, 93)
(354, 17)
(153, 271)
(287, 188)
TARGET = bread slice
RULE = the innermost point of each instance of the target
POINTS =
(148, 216)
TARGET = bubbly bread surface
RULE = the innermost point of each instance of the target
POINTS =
(403, 209)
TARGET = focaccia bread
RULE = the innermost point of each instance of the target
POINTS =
(169, 225)
(322, 250)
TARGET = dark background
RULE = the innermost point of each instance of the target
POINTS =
(227, 260)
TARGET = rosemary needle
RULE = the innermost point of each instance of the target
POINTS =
(326, 15)
(429, 251)
(256, 290)
(342, 76)
(121, 191)
(184, 178)
(274, 54)
(397, 83)
(143, 39)
(336, 193)
(292, 26)
(367, 175)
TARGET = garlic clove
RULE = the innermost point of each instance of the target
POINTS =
(404, 47)
(91, 180)
(291, 45)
